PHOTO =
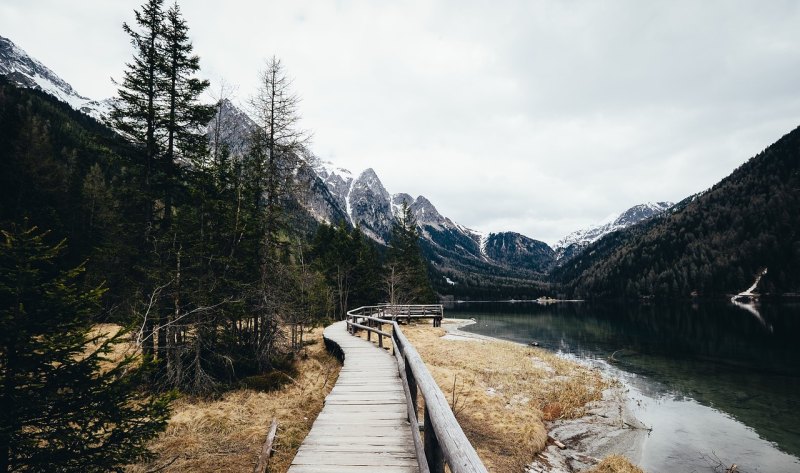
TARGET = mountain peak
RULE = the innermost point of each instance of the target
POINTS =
(641, 212)
(369, 174)
(426, 213)
(574, 243)
(25, 71)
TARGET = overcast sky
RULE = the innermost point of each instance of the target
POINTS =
(540, 117)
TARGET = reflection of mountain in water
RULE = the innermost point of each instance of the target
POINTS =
(745, 363)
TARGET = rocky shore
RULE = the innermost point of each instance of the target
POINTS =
(609, 427)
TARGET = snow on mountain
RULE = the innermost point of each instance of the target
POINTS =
(339, 182)
(483, 241)
(230, 127)
(397, 203)
(26, 71)
(370, 205)
(335, 194)
(575, 242)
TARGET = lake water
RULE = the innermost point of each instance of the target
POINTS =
(718, 383)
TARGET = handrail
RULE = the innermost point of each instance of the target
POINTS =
(445, 441)
(410, 311)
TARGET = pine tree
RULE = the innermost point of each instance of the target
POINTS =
(138, 111)
(138, 114)
(367, 270)
(67, 406)
(406, 274)
(184, 114)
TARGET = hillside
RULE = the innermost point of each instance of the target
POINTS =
(576, 242)
(713, 243)
(57, 170)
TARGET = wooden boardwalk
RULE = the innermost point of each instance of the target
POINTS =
(364, 425)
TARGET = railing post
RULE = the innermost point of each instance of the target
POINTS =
(380, 337)
(412, 385)
(433, 451)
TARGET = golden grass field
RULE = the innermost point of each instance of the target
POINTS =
(226, 434)
(502, 394)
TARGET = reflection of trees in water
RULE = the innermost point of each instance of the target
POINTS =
(718, 332)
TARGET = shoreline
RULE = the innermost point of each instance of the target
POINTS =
(609, 427)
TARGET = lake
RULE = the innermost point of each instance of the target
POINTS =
(718, 383)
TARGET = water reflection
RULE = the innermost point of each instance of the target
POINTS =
(741, 360)
(751, 307)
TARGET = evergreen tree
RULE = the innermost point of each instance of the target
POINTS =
(184, 114)
(67, 406)
(367, 271)
(406, 274)
(350, 264)
(138, 111)
(138, 114)
(274, 159)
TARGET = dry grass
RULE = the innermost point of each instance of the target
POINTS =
(615, 464)
(226, 435)
(118, 351)
(503, 392)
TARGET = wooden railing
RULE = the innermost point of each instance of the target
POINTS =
(444, 441)
(406, 311)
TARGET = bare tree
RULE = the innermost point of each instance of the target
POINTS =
(273, 160)
(395, 281)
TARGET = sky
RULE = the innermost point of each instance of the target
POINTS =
(540, 117)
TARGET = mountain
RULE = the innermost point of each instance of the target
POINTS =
(576, 242)
(370, 206)
(516, 250)
(231, 127)
(714, 242)
(462, 260)
(21, 69)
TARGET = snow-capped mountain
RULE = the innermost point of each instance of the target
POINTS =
(367, 203)
(334, 194)
(574, 243)
(338, 181)
(370, 206)
(17, 66)
(230, 127)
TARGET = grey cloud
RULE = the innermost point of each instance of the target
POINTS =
(539, 117)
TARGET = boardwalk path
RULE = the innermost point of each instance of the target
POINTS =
(363, 426)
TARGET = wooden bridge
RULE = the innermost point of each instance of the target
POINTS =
(370, 422)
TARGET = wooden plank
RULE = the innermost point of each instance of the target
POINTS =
(365, 395)
(354, 448)
(266, 450)
(356, 430)
(356, 459)
(363, 426)
(350, 469)
(364, 422)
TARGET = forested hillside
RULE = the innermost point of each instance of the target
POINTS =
(714, 244)
(203, 252)
(54, 169)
